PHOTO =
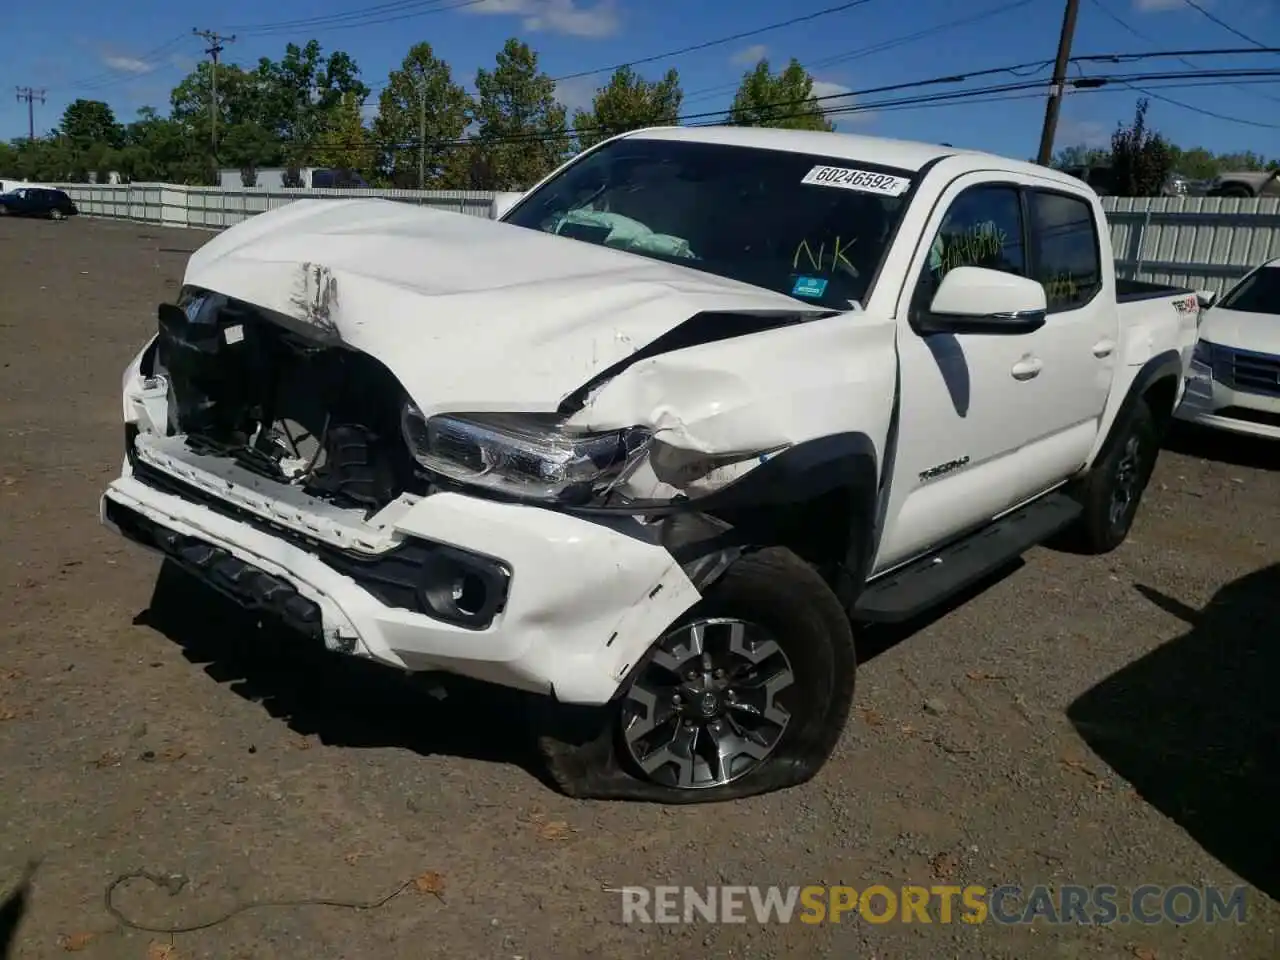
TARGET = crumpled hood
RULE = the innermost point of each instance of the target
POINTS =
(468, 313)
(1258, 332)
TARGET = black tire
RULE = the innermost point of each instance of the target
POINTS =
(585, 750)
(1120, 474)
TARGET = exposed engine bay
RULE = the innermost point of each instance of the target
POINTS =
(286, 407)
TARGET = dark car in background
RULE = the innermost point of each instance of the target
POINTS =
(37, 202)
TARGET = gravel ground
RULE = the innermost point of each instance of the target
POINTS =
(1082, 721)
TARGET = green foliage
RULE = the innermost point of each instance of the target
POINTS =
(307, 109)
(1141, 160)
(629, 102)
(783, 100)
(521, 136)
(419, 111)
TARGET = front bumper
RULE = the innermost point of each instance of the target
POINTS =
(585, 598)
(1208, 402)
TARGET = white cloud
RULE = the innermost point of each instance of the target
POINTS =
(1150, 5)
(127, 64)
(825, 88)
(829, 88)
(556, 16)
(576, 94)
(1087, 133)
(749, 56)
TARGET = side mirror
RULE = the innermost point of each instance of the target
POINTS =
(980, 300)
(503, 202)
(1207, 298)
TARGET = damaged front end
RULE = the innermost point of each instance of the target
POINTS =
(286, 407)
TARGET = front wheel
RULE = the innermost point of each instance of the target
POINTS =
(56, 214)
(746, 694)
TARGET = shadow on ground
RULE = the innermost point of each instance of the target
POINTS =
(12, 910)
(1223, 447)
(345, 701)
(1195, 725)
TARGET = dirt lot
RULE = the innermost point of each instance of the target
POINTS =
(1082, 721)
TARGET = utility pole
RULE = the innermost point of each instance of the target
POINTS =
(1054, 106)
(31, 96)
(422, 134)
(216, 41)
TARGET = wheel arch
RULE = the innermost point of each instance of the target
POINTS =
(1156, 382)
(818, 499)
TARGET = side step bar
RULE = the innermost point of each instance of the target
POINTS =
(932, 579)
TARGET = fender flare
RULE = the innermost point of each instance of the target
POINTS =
(1163, 365)
(843, 467)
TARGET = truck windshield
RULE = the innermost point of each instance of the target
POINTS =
(811, 227)
(1259, 294)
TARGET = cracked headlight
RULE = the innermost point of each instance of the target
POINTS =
(531, 456)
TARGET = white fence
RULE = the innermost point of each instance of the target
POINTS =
(1201, 242)
(214, 207)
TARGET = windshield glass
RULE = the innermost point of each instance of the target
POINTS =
(815, 228)
(1257, 294)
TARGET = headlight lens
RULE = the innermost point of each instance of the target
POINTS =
(532, 456)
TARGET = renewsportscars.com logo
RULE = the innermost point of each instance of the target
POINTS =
(1008, 904)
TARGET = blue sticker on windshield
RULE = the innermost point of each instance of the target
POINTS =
(809, 287)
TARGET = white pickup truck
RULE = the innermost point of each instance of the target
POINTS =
(654, 446)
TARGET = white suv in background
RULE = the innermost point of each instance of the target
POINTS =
(1235, 371)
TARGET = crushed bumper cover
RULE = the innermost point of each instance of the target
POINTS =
(1211, 403)
(584, 601)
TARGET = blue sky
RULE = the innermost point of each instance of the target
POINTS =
(133, 55)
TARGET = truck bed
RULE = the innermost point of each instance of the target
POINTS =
(1128, 291)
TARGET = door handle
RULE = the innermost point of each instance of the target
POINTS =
(1103, 348)
(1026, 368)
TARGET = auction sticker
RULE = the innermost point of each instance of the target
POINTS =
(864, 181)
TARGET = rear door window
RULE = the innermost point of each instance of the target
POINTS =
(1068, 262)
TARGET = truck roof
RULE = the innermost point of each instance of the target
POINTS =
(903, 154)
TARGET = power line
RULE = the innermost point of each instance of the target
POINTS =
(788, 109)
(1223, 24)
(216, 41)
(409, 10)
(30, 95)
(876, 47)
(707, 44)
(1142, 36)
(106, 78)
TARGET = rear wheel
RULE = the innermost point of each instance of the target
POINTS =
(1113, 489)
(746, 694)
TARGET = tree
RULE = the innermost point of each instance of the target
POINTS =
(522, 134)
(419, 109)
(344, 140)
(1080, 156)
(629, 102)
(785, 100)
(91, 122)
(1140, 158)
(294, 97)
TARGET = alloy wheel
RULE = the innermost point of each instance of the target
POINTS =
(704, 709)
